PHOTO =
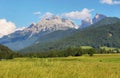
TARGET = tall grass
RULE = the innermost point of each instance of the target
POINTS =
(98, 66)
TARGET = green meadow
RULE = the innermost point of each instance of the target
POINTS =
(109, 48)
(97, 66)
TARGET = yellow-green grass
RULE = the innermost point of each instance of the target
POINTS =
(98, 66)
(86, 47)
(109, 48)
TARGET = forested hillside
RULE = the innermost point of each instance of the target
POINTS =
(5, 52)
(95, 36)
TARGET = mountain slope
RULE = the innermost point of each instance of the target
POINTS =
(5, 52)
(96, 36)
(107, 21)
(56, 35)
(21, 39)
(4, 49)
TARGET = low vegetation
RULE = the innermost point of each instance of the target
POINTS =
(6, 53)
(72, 62)
(71, 51)
(98, 66)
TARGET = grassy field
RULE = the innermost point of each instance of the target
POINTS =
(109, 48)
(86, 47)
(98, 66)
(103, 47)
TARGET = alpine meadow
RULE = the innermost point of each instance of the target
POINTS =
(59, 39)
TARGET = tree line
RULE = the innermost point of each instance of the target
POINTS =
(71, 51)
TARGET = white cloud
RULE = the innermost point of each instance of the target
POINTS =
(47, 15)
(37, 13)
(116, 2)
(85, 13)
(6, 27)
(20, 29)
(110, 2)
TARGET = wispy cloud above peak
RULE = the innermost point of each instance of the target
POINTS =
(20, 29)
(37, 13)
(74, 15)
(85, 13)
(110, 2)
(47, 15)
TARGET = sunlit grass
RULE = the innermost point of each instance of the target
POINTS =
(98, 66)
(86, 47)
(109, 48)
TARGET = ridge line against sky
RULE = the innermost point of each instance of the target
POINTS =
(18, 14)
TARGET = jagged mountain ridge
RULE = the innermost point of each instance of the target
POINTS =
(98, 17)
(26, 37)
(85, 23)
(88, 21)
(50, 24)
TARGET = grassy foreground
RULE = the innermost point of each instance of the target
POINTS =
(98, 66)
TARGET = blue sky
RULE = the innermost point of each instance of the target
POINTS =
(24, 12)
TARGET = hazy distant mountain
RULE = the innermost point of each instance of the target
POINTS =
(26, 37)
(98, 17)
(85, 23)
(88, 21)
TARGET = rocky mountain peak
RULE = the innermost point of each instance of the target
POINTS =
(86, 22)
(47, 25)
(55, 23)
(98, 17)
